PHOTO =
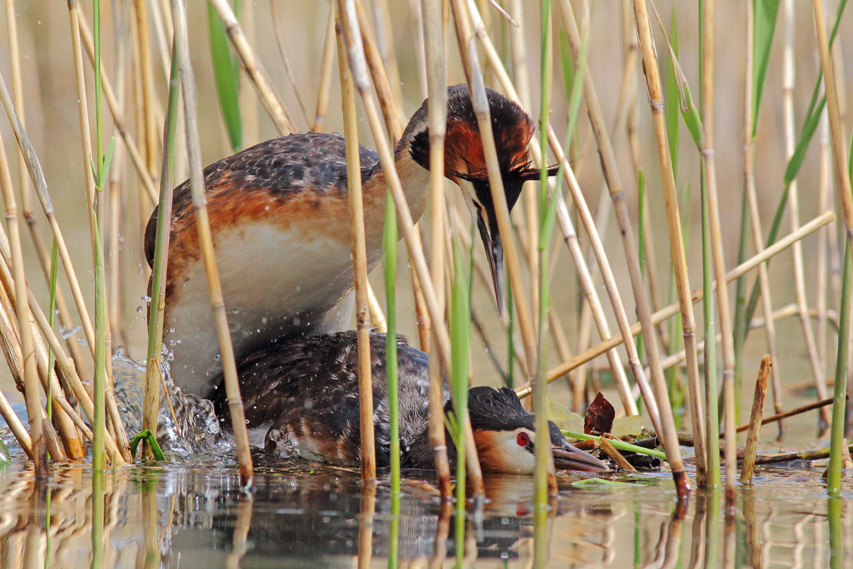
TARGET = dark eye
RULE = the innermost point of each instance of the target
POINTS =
(522, 439)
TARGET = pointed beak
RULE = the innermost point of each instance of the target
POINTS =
(567, 457)
(495, 254)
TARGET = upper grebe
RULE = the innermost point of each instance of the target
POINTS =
(302, 396)
(280, 222)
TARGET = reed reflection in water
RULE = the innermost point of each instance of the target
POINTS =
(188, 517)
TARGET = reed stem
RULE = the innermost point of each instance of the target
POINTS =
(157, 292)
(38, 449)
(404, 219)
(389, 249)
(358, 240)
(545, 481)
(839, 404)
(437, 111)
(199, 198)
(673, 309)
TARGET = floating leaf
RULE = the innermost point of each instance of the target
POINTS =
(600, 482)
(599, 416)
(631, 426)
(561, 416)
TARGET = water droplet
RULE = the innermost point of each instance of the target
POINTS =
(68, 332)
(171, 330)
(146, 298)
(217, 357)
(139, 310)
(264, 320)
(56, 311)
(82, 341)
(297, 321)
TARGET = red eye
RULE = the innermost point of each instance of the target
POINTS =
(522, 439)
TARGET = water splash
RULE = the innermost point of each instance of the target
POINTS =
(195, 439)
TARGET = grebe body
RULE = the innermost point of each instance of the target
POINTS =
(301, 396)
(280, 222)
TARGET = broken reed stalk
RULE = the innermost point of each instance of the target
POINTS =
(545, 480)
(38, 450)
(791, 413)
(696, 296)
(199, 197)
(712, 199)
(611, 174)
(437, 113)
(157, 291)
(755, 222)
(358, 244)
(843, 181)
(788, 79)
(404, 219)
(258, 75)
(755, 422)
(325, 72)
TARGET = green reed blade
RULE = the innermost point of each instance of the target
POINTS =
(161, 244)
(796, 161)
(741, 323)
(671, 110)
(764, 26)
(620, 445)
(389, 250)
(99, 428)
(460, 333)
(839, 403)
(149, 439)
(226, 74)
(711, 391)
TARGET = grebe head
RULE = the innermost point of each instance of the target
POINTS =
(465, 164)
(505, 438)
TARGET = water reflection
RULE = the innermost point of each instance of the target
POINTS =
(199, 517)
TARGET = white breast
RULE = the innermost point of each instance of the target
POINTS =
(280, 278)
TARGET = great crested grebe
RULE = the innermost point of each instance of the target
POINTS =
(302, 397)
(280, 223)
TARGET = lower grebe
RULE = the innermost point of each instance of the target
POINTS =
(280, 221)
(303, 394)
